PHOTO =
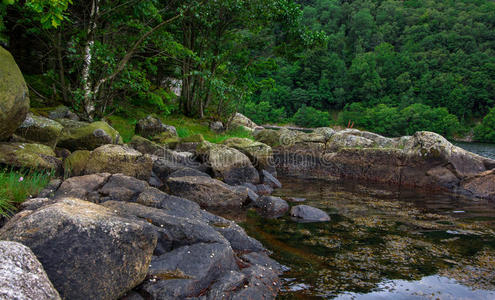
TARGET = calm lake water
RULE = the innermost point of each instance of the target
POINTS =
(382, 243)
(487, 150)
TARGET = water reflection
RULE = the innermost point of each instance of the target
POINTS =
(381, 239)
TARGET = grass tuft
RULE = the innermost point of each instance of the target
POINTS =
(16, 186)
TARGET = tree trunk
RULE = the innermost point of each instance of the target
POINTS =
(89, 104)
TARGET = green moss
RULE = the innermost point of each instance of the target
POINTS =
(125, 126)
(31, 156)
(74, 164)
(80, 136)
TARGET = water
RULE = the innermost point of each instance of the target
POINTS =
(382, 243)
(486, 150)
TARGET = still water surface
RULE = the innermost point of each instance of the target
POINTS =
(382, 243)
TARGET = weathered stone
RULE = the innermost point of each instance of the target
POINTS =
(14, 95)
(228, 164)
(59, 112)
(36, 129)
(327, 132)
(119, 159)
(144, 145)
(31, 156)
(21, 274)
(207, 192)
(261, 155)
(241, 120)
(152, 126)
(188, 172)
(75, 164)
(186, 271)
(305, 213)
(263, 189)
(190, 143)
(87, 251)
(83, 187)
(216, 126)
(481, 185)
(169, 161)
(120, 187)
(272, 207)
(87, 136)
(50, 188)
(344, 139)
(270, 180)
(252, 195)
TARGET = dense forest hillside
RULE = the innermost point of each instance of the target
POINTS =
(393, 67)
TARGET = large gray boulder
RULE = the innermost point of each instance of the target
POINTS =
(14, 99)
(21, 274)
(207, 192)
(272, 207)
(87, 251)
(39, 130)
(228, 164)
(261, 155)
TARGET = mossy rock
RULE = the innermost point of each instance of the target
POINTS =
(57, 112)
(197, 138)
(30, 156)
(161, 137)
(269, 137)
(87, 136)
(260, 154)
(119, 159)
(144, 145)
(75, 164)
(40, 130)
(14, 99)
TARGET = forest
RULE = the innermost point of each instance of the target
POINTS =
(392, 67)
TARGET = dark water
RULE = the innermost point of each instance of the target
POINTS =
(486, 150)
(382, 244)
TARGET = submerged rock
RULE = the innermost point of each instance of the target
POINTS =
(305, 213)
(272, 207)
(14, 95)
(21, 274)
(87, 251)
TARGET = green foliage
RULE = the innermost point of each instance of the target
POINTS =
(392, 121)
(263, 112)
(14, 191)
(310, 117)
(485, 132)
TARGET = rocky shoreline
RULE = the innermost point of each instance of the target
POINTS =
(130, 222)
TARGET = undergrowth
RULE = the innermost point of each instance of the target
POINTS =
(16, 186)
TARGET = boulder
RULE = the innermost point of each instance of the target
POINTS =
(31, 156)
(87, 136)
(188, 172)
(119, 159)
(14, 96)
(152, 126)
(207, 192)
(272, 207)
(189, 143)
(327, 132)
(379, 141)
(270, 180)
(227, 163)
(167, 162)
(217, 126)
(345, 139)
(36, 129)
(305, 213)
(75, 164)
(263, 189)
(144, 145)
(433, 147)
(481, 185)
(241, 120)
(186, 271)
(261, 155)
(83, 187)
(21, 274)
(59, 112)
(87, 251)
(270, 137)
